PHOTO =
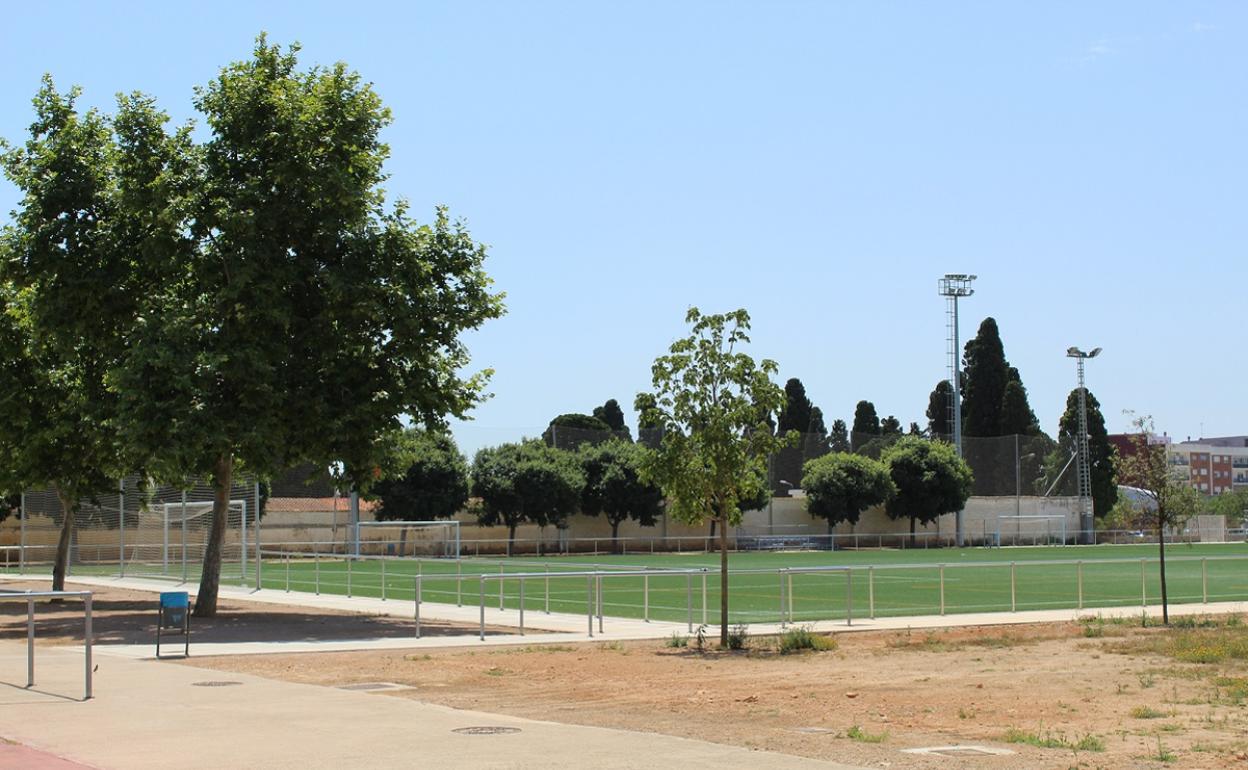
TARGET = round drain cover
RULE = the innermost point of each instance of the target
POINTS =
(214, 684)
(486, 730)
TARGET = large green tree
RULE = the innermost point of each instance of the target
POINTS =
(1168, 499)
(569, 431)
(93, 191)
(1102, 457)
(866, 424)
(840, 486)
(985, 375)
(796, 412)
(528, 482)
(930, 478)
(710, 398)
(838, 439)
(425, 477)
(614, 488)
(1017, 418)
(611, 414)
(307, 316)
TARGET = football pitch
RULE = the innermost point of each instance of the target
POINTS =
(770, 586)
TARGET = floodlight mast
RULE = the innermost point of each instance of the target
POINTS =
(1081, 447)
(952, 286)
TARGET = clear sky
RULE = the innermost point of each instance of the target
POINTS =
(821, 164)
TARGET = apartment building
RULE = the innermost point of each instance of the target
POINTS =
(1212, 465)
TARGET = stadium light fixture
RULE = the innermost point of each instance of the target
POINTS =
(1081, 446)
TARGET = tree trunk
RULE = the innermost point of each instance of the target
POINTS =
(913, 543)
(712, 537)
(1161, 548)
(210, 575)
(61, 568)
(723, 581)
(615, 536)
(511, 538)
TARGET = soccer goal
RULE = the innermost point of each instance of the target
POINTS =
(409, 538)
(185, 528)
(1033, 529)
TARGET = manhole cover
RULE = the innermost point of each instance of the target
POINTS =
(374, 686)
(214, 684)
(960, 751)
(486, 730)
(812, 730)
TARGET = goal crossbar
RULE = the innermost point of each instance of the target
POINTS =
(450, 540)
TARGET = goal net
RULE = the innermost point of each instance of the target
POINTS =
(1031, 530)
(172, 536)
(409, 538)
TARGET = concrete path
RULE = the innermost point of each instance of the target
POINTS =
(159, 714)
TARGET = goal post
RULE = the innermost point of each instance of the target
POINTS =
(1031, 525)
(438, 538)
(191, 520)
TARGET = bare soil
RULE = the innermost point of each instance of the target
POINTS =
(1101, 695)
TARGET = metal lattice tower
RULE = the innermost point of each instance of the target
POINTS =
(1084, 471)
(952, 286)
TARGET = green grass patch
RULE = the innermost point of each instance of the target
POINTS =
(1047, 739)
(800, 638)
(856, 733)
(1146, 712)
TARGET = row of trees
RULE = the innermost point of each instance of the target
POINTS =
(180, 308)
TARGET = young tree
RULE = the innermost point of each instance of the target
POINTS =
(1169, 500)
(425, 478)
(939, 415)
(709, 397)
(840, 486)
(930, 478)
(307, 316)
(526, 482)
(986, 373)
(613, 486)
(838, 440)
(1102, 456)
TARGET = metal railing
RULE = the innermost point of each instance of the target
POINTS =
(29, 597)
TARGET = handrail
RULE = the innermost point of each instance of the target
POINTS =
(29, 597)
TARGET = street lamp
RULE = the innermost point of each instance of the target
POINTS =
(1081, 446)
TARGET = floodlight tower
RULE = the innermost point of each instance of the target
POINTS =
(1081, 447)
(952, 286)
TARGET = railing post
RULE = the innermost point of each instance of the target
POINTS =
(589, 603)
(780, 574)
(316, 570)
(522, 606)
(942, 589)
(349, 560)
(416, 592)
(599, 583)
(86, 635)
(547, 590)
(1079, 580)
(645, 598)
(287, 572)
(1013, 595)
(481, 602)
(870, 590)
(790, 574)
(30, 642)
(849, 597)
(704, 596)
(1143, 586)
(689, 599)
(459, 583)
(500, 586)
(1204, 580)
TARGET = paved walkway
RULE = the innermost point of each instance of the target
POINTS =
(150, 714)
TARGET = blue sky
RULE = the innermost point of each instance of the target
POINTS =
(820, 164)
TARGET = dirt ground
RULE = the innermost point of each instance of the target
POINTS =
(1096, 694)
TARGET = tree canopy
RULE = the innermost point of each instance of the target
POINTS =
(710, 399)
(528, 482)
(939, 415)
(611, 414)
(840, 486)
(866, 423)
(838, 439)
(569, 431)
(614, 488)
(425, 478)
(1102, 457)
(930, 478)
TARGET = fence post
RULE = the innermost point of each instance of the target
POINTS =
(871, 591)
(599, 584)
(316, 570)
(459, 583)
(500, 586)
(645, 598)
(86, 634)
(416, 591)
(481, 602)
(780, 574)
(1013, 600)
(704, 596)
(383, 577)
(287, 572)
(589, 603)
(30, 642)
(942, 589)
(688, 599)
(349, 560)
(1143, 588)
(121, 510)
(790, 575)
(1204, 580)
(849, 597)
(522, 606)
(21, 537)
(1079, 580)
